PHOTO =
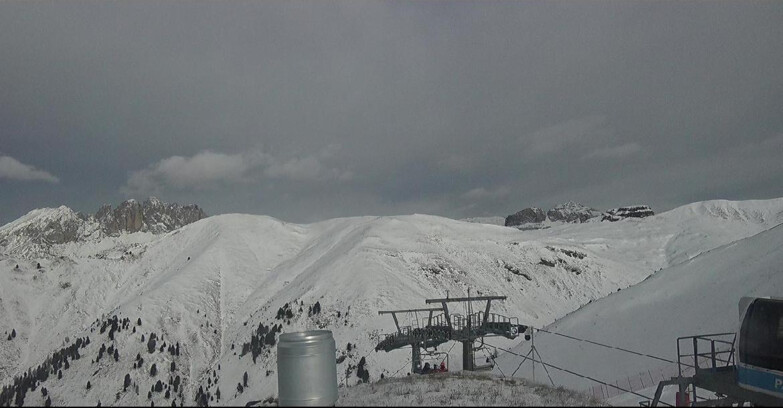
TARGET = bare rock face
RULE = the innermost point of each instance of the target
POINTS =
(634, 211)
(57, 230)
(526, 216)
(571, 212)
(35, 233)
(568, 212)
(152, 216)
(162, 217)
(126, 217)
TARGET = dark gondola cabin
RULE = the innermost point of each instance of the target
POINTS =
(760, 366)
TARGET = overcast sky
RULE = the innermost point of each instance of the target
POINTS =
(319, 109)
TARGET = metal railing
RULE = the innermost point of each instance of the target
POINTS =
(477, 321)
(705, 352)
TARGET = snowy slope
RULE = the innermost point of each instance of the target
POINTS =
(671, 237)
(210, 284)
(494, 220)
(244, 268)
(699, 296)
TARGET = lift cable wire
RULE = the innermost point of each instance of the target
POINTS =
(490, 356)
(451, 348)
(365, 358)
(614, 347)
(395, 373)
(406, 364)
(580, 375)
(545, 369)
(525, 358)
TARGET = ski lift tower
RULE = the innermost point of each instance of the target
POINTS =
(476, 325)
(446, 326)
(416, 337)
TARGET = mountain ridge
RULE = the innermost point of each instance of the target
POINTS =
(34, 234)
(215, 283)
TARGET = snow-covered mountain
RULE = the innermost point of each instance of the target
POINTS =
(631, 211)
(35, 233)
(570, 212)
(39, 232)
(492, 220)
(536, 218)
(219, 286)
(699, 295)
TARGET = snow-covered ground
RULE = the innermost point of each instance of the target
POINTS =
(493, 220)
(699, 296)
(209, 285)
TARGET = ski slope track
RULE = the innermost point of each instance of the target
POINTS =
(209, 285)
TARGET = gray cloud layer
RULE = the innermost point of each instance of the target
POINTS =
(13, 169)
(308, 110)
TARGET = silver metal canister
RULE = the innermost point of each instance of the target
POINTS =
(306, 369)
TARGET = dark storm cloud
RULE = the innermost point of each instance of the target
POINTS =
(309, 110)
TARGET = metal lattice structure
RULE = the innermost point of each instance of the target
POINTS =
(445, 326)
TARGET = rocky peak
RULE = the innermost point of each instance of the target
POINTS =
(152, 215)
(162, 217)
(633, 211)
(568, 212)
(571, 212)
(35, 233)
(526, 216)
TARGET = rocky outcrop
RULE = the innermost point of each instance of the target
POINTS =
(571, 212)
(162, 217)
(152, 216)
(634, 211)
(34, 233)
(55, 230)
(126, 217)
(526, 216)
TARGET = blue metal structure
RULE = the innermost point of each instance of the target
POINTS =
(746, 366)
(760, 345)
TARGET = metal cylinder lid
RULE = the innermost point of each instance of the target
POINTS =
(295, 340)
(306, 369)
